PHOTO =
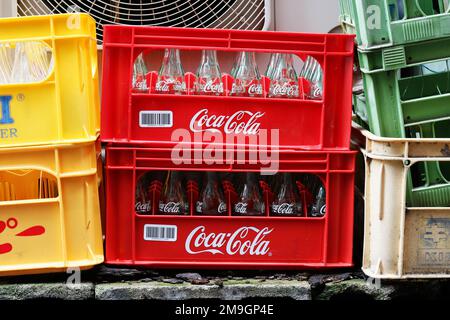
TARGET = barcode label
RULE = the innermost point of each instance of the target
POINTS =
(158, 232)
(155, 119)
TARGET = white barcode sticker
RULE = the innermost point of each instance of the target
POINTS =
(155, 119)
(159, 232)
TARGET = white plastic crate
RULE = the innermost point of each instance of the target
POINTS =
(399, 241)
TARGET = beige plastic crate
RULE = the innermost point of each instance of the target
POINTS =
(399, 241)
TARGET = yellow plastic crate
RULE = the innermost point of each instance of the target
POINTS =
(64, 107)
(49, 208)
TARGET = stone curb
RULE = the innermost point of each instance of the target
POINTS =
(355, 288)
(230, 290)
(59, 291)
(318, 287)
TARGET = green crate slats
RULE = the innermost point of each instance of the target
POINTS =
(381, 23)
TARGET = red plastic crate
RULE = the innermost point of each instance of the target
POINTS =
(283, 242)
(302, 123)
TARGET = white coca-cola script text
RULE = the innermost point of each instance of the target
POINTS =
(241, 122)
(245, 240)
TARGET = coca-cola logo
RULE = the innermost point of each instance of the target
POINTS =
(283, 208)
(220, 209)
(170, 207)
(143, 206)
(140, 83)
(252, 89)
(240, 207)
(255, 89)
(236, 88)
(323, 210)
(285, 89)
(244, 122)
(166, 85)
(317, 92)
(211, 86)
(198, 207)
(245, 240)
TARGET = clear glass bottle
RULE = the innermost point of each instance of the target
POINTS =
(211, 199)
(171, 74)
(250, 202)
(247, 79)
(173, 196)
(312, 72)
(272, 65)
(318, 208)
(139, 80)
(209, 77)
(286, 200)
(143, 198)
(284, 80)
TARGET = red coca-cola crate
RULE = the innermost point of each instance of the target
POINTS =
(228, 241)
(302, 123)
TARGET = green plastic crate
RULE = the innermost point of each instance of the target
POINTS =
(360, 110)
(428, 182)
(405, 91)
(385, 23)
(409, 55)
(346, 16)
(410, 103)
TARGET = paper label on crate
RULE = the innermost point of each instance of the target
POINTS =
(159, 232)
(156, 119)
(434, 243)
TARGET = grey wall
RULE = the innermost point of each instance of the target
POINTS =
(312, 16)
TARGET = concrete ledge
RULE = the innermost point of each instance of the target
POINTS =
(228, 290)
(105, 283)
(46, 291)
(355, 289)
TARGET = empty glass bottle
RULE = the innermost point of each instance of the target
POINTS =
(143, 198)
(173, 200)
(319, 206)
(209, 78)
(171, 74)
(211, 200)
(312, 72)
(286, 199)
(247, 79)
(139, 80)
(284, 80)
(250, 202)
(272, 65)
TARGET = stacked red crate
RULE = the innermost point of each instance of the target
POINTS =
(302, 136)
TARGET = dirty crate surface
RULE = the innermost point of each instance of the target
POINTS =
(401, 241)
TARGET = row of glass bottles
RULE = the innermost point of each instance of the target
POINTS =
(288, 199)
(247, 81)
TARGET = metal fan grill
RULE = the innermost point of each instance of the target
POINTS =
(223, 14)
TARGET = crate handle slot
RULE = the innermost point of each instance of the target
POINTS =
(26, 184)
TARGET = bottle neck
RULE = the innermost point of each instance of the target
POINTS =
(247, 58)
(172, 56)
(272, 64)
(209, 57)
(250, 179)
(211, 180)
(287, 183)
(246, 66)
(172, 183)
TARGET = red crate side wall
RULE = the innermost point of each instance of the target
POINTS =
(331, 123)
(338, 246)
(337, 114)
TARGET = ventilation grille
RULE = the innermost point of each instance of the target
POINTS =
(222, 14)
